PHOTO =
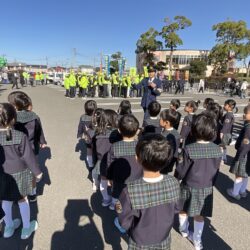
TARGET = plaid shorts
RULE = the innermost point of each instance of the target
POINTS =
(239, 168)
(24, 181)
(197, 201)
(164, 245)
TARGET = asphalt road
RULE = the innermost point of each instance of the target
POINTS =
(70, 215)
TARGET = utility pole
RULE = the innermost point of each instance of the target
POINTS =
(101, 63)
(47, 62)
(73, 58)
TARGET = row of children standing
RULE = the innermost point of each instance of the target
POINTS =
(142, 190)
(21, 137)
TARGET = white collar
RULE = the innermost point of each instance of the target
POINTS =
(153, 118)
(153, 180)
(170, 129)
(203, 142)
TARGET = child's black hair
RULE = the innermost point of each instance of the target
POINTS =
(231, 103)
(128, 126)
(215, 110)
(175, 103)
(125, 108)
(90, 107)
(20, 100)
(208, 101)
(154, 108)
(169, 115)
(194, 105)
(7, 118)
(153, 152)
(111, 118)
(204, 127)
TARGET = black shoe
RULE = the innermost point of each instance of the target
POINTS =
(32, 198)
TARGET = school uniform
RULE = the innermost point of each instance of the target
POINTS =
(84, 129)
(197, 167)
(122, 166)
(148, 210)
(227, 128)
(178, 120)
(29, 123)
(18, 164)
(173, 137)
(151, 125)
(240, 165)
(101, 145)
(186, 129)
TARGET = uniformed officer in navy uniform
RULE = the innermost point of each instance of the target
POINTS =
(152, 87)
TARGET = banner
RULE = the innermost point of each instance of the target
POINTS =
(120, 67)
(3, 62)
(123, 64)
(107, 64)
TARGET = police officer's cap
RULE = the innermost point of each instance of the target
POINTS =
(151, 69)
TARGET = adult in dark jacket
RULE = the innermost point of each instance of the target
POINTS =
(152, 87)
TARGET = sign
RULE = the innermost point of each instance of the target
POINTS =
(107, 64)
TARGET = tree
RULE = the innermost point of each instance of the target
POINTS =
(233, 39)
(171, 38)
(198, 67)
(147, 44)
(114, 61)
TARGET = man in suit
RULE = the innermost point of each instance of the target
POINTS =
(152, 87)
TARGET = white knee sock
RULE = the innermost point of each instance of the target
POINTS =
(114, 200)
(90, 161)
(183, 221)
(104, 189)
(95, 179)
(33, 191)
(237, 186)
(198, 229)
(244, 185)
(25, 213)
(7, 208)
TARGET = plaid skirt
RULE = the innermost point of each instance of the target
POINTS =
(197, 201)
(226, 139)
(239, 168)
(24, 181)
(164, 245)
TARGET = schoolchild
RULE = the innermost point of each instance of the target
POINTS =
(148, 205)
(197, 169)
(175, 105)
(151, 124)
(124, 108)
(241, 164)
(85, 124)
(190, 108)
(121, 162)
(106, 133)
(227, 126)
(18, 166)
(30, 124)
(207, 102)
(168, 118)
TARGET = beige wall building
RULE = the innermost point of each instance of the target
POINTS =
(181, 59)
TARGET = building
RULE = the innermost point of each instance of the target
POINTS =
(26, 67)
(181, 60)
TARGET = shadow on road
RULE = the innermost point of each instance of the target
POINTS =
(82, 148)
(44, 155)
(80, 231)
(224, 182)
(111, 235)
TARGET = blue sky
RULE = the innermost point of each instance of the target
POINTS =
(32, 30)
